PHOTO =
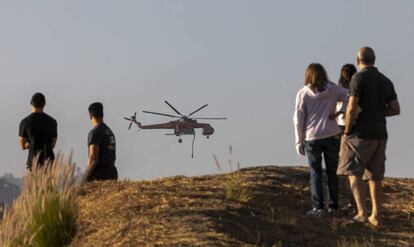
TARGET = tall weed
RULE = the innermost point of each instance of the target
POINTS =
(45, 212)
(233, 187)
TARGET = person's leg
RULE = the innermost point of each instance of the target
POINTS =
(331, 153)
(375, 190)
(358, 192)
(375, 174)
(314, 154)
(351, 200)
(350, 203)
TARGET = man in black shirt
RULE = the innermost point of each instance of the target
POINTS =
(102, 147)
(38, 133)
(372, 98)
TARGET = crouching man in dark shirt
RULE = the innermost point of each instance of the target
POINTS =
(102, 147)
(38, 133)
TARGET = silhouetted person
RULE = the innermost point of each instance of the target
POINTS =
(372, 99)
(102, 147)
(38, 133)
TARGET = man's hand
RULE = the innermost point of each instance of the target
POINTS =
(24, 144)
(300, 149)
(351, 114)
(393, 108)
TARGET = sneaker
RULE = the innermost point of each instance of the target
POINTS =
(315, 212)
(332, 212)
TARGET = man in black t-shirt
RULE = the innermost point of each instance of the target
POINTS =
(102, 147)
(372, 98)
(38, 133)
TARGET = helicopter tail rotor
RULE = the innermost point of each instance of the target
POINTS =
(133, 119)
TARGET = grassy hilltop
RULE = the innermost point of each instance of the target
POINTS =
(260, 206)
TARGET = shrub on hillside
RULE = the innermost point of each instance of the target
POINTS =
(45, 213)
(233, 187)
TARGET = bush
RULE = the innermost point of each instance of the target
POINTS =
(46, 211)
(235, 190)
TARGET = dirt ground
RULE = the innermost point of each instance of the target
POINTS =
(195, 211)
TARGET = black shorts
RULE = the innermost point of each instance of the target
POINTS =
(104, 173)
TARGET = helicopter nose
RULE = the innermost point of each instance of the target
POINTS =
(208, 131)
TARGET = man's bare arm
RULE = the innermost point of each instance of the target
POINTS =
(351, 113)
(393, 108)
(93, 158)
(23, 143)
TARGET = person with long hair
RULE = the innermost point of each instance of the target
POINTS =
(347, 71)
(317, 134)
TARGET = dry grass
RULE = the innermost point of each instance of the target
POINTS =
(45, 212)
(235, 190)
(193, 211)
(354, 242)
(233, 186)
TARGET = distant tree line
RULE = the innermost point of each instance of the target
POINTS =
(10, 187)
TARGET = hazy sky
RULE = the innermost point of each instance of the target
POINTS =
(246, 59)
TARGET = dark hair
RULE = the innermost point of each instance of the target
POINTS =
(96, 110)
(316, 77)
(38, 100)
(347, 71)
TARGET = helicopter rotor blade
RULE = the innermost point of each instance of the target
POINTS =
(161, 114)
(132, 119)
(210, 118)
(172, 107)
(198, 109)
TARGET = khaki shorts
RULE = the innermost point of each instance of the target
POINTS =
(360, 157)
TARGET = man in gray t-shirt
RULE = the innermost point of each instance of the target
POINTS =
(372, 98)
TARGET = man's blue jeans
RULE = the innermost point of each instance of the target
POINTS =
(329, 149)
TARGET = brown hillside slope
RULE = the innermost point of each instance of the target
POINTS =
(184, 211)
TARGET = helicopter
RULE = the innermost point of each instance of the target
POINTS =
(183, 125)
